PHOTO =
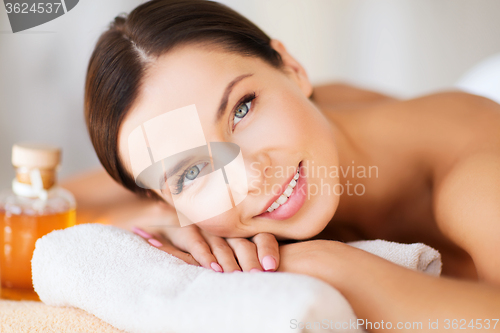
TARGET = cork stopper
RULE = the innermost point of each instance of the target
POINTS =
(29, 156)
(35, 155)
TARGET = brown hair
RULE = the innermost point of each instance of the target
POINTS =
(123, 52)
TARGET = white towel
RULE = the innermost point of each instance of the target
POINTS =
(117, 276)
(416, 256)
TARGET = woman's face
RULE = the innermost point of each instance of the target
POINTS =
(268, 114)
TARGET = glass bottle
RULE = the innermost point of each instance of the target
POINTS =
(34, 207)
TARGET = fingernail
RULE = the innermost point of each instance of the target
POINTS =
(216, 267)
(154, 242)
(268, 263)
(236, 271)
(255, 270)
(141, 233)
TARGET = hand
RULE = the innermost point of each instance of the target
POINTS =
(197, 247)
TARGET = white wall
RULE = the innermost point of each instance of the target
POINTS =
(42, 74)
(401, 47)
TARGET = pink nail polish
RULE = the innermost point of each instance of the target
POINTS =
(268, 263)
(216, 267)
(255, 270)
(141, 233)
(154, 242)
(236, 271)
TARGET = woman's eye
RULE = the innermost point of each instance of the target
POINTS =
(192, 172)
(189, 176)
(241, 112)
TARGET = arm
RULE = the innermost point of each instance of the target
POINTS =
(467, 208)
(381, 290)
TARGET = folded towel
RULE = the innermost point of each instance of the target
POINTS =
(117, 276)
(416, 256)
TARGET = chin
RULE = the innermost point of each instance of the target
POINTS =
(321, 215)
(308, 231)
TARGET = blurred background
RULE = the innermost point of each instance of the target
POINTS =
(404, 48)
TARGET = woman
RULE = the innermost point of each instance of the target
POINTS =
(434, 163)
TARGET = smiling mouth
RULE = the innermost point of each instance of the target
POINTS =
(283, 198)
(290, 201)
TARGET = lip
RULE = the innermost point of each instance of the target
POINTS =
(294, 202)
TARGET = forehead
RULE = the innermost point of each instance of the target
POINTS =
(184, 76)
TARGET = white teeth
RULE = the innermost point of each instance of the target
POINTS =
(282, 199)
(286, 194)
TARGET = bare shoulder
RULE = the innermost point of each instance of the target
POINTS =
(461, 105)
(461, 125)
(342, 94)
(458, 108)
(466, 174)
(439, 128)
(433, 131)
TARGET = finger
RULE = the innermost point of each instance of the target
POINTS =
(187, 257)
(191, 240)
(158, 241)
(223, 252)
(267, 250)
(142, 233)
(246, 253)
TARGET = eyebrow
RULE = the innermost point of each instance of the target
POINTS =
(225, 96)
(172, 171)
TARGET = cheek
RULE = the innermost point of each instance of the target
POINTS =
(295, 115)
(283, 119)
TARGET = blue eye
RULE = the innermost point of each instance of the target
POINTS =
(189, 175)
(192, 172)
(243, 108)
(241, 112)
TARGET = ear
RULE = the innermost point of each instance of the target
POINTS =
(293, 68)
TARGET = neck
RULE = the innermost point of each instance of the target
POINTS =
(354, 171)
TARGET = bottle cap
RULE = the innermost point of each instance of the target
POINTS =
(35, 155)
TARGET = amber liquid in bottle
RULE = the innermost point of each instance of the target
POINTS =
(18, 234)
(33, 208)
